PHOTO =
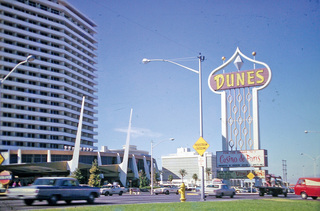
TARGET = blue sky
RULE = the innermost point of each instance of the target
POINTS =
(164, 97)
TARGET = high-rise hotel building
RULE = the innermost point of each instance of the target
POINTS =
(40, 101)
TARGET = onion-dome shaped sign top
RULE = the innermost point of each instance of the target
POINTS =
(259, 78)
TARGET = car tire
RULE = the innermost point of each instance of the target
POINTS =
(304, 195)
(261, 194)
(28, 201)
(53, 200)
(167, 192)
(314, 197)
(120, 193)
(68, 201)
(232, 195)
(90, 199)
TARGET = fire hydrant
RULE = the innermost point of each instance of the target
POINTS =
(182, 191)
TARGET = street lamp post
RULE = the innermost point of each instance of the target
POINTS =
(152, 146)
(30, 58)
(201, 59)
(314, 162)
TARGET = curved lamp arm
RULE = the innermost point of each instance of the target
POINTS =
(28, 59)
(154, 145)
(146, 61)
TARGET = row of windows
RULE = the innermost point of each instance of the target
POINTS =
(29, 135)
(30, 126)
(37, 40)
(47, 102)
(76, 22)
(65, 53)
(34, 109)
(43, 127)
(29, 144)
(45, 42)
(31, 91)
(41, 110)
(88, 159)
(46, 136)
(43, 119)
(41, 136)
(45, 93)
(56, 78)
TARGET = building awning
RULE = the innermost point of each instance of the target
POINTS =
(55, 168)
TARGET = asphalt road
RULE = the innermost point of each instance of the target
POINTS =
(6, 204)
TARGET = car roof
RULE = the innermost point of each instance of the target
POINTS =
(56, 178)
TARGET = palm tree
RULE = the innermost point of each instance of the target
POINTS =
(183, 173)
(208, 171)
(170, 178)
(195, 177)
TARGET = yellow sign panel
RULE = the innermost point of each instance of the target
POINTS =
(1, 159)
(201, 146)
(250, 175)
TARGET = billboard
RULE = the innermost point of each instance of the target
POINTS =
(240, 79)
(243, 158)
(242, 174)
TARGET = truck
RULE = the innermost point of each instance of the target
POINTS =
(274, 186)
(54, 189)
(109, 190)
(308, 187)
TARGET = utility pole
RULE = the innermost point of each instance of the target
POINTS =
(284, 171)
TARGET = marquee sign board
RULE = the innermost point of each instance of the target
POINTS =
(240, 79)
(241, 174)
(244, 158)
(239, 101)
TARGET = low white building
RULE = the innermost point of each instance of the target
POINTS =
(187, 160)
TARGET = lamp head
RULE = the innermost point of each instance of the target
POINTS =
(145, 61)
(30, 58)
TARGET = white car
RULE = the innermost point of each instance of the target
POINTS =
(109, 190)
(166, 189)
(219, 190)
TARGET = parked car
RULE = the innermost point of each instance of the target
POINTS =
(248, 190)
(308, 187)
(240, 190)
(109, 190)
(54, 189)
(219, 190)
(166, 189)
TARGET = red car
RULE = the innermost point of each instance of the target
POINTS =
(308, 187)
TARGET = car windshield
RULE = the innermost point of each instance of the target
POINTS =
(213, 186)
(45, 182)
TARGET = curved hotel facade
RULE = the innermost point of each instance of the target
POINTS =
(40, 102)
